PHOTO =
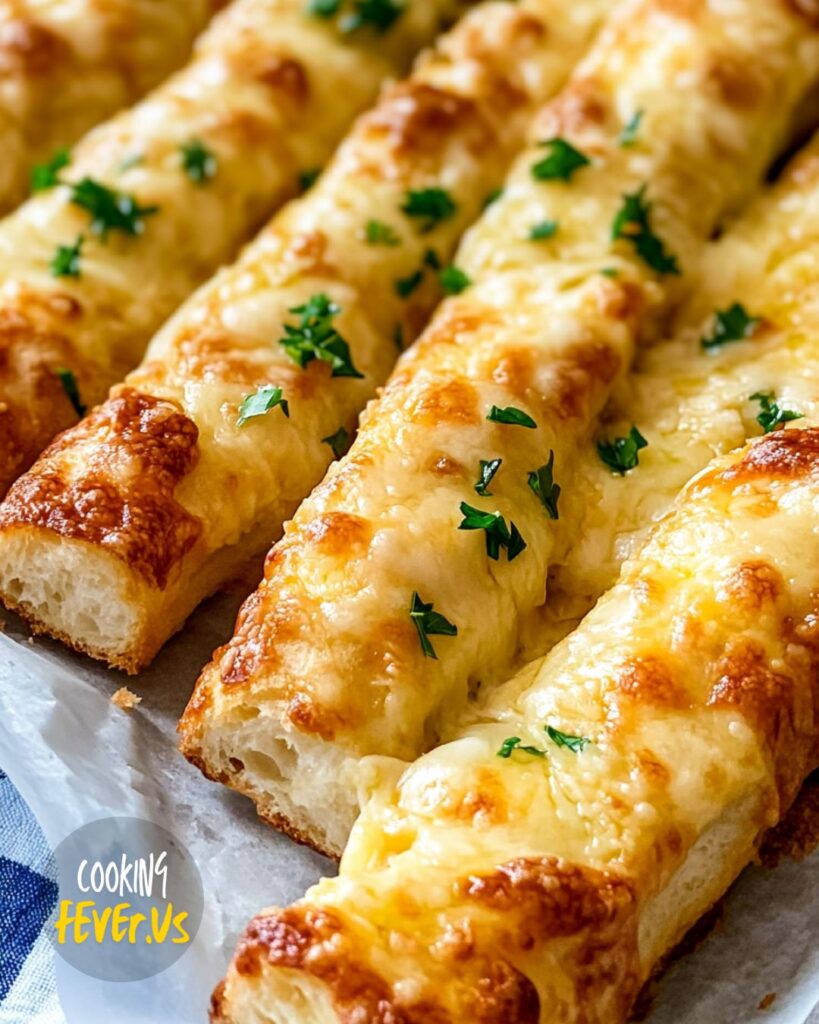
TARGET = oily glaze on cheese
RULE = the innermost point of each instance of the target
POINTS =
(66, 66)
(269, 92)
(161, 482)
(538, 889)
(325, 666)
(691, 403)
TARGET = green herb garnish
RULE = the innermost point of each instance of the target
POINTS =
(731, 324)
(66, 260)
(514, 743)
(405, 286)
(340, 442)
(563, 739)
(308, 178)
(560, 163)
(511, 415)
(633, 223)
(378, 14)
(543, 485)
(429, 623)
(432, 205)
(263, 399)
(488, 469)
(69, 383)
(315, 337)
(45, 176)
(379, 233)
(545, 229)
(453, 280)
(110, 210)
(198, 162)
(493, 197)
(628, 136)
(771, 415)
(620, 455)
(498, 534)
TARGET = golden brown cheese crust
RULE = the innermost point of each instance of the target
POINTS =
(257, 97)
(327, 646)
(609, 853)
(456, 122)
(66, 67)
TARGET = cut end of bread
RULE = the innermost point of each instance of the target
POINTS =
(75, 592)
(302, 785)
(274, 996)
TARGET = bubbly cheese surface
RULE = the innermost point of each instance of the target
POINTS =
(327, 650)
(65, 67)
(446, 133)
(543, 886)
(268, 94)
(692, 402)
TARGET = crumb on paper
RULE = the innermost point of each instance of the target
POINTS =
(125, 699)
(767, 1001)
(30, 640)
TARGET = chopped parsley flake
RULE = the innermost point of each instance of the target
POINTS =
(66, 260)
(340, 442)
(545, 229)
(620, 455)
(379, 233)
(542, 483)
(263, 399)
(731, 324)
(308, 178)
(405, 286)
(560, 163)
(511, 415)
(110, 210)
(628, 136)
(610, 272)
(488, 469)
(563, 739)
(514, 743)
(431, 259)
(498, 534)
(69, 383)
(315, 337)
(323, 8)
(198, 162)
(47, 175)
(379, 14)
(429, 623)
(493, 197)
(771, 416)
(453, 280)
(432, 205)
(633, 223)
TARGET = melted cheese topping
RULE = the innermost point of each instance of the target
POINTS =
(269, 93)
(455, 124)
(542, 330)
(691, 403)
(65, 67)
(568, 875)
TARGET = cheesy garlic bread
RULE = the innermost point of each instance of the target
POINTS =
(400, 584)
(156, 199)
(65, 67)
(245, 396)
(743, 359)
(536, 868)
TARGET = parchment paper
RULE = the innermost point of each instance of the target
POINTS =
(76, 757)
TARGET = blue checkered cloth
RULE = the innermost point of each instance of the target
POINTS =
(28, 893)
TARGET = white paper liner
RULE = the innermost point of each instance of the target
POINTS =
(75, 757)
